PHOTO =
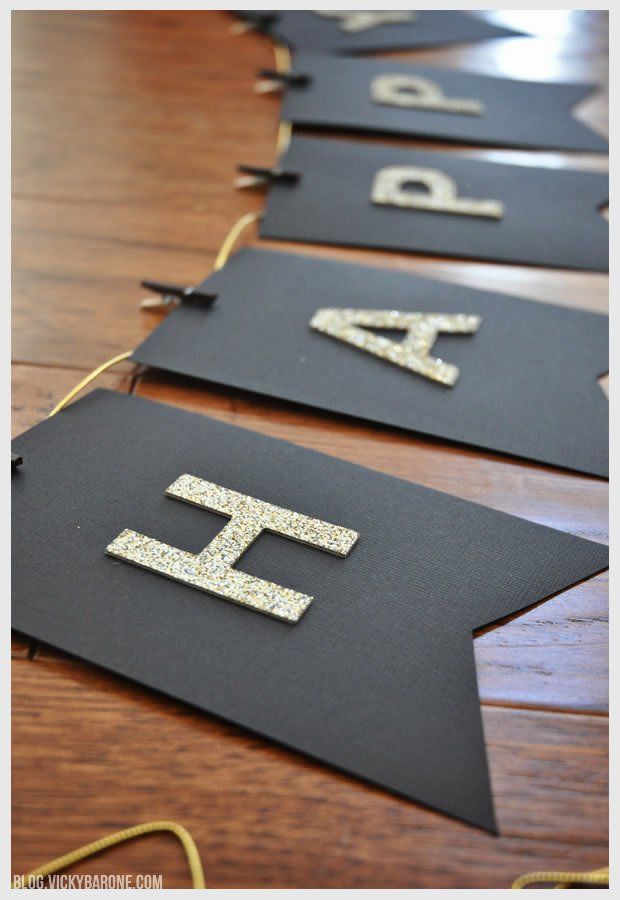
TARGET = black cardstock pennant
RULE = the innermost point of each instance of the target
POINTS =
(525, 356)
(378, 677)
(364, 95)
(327, 32)
(550, 217)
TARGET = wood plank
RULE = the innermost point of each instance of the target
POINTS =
(265, 817)
(124, 136)
(76, 297)
(36, 390)
(120, 153)
(21, 646)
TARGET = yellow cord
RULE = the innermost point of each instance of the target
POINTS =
(563, 879)
(283, 140)
(91, 377)
(63, 862)
(220, 261)
(283, 58)
(283, 65)
(231, 238)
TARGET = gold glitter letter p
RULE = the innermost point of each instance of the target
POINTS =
(415, 92)
(439, 194)
(212, 570)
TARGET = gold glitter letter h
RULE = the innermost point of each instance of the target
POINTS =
(212, 570)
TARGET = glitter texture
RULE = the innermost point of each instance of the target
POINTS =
(413, 353)
(212, 570)
(415, 92)
(354, 22)
(388, 189)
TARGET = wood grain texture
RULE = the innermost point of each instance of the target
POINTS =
(264, 817)
(127, 127)
(37, 389)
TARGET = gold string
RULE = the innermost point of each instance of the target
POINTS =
(563, 879)
(220, 261)
(283, 65)
(283, 140)
(104, 843)
(91, 377)
(283, 58)
(231, 238)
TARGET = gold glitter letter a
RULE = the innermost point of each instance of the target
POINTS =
(350, 325)
(212, 570)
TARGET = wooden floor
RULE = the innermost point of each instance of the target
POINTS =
(127, 127)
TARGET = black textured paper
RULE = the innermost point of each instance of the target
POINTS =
(305, 30)
(516, 113)
(378, 677)
(528, 377)
(551, 216)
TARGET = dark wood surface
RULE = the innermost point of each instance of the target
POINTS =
(126, 130)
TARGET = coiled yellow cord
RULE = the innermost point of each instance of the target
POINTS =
(104, 843)
(283, 65)
(598, 877)
(564, 879)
